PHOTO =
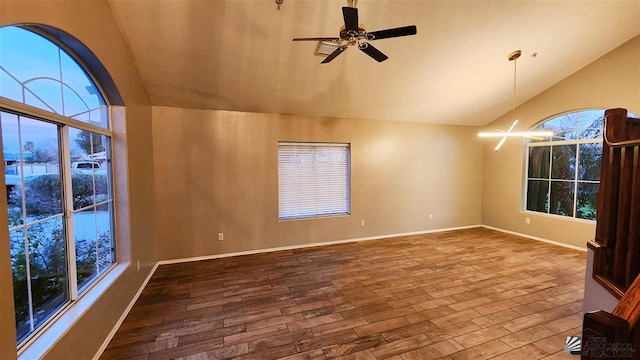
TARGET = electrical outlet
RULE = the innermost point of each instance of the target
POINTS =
(527, 221)
(361, 222)
(220, 236)
(138, 265)
(430, 216)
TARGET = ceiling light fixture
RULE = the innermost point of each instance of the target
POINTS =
(509, 133)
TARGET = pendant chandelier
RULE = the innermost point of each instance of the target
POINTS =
(539, 135)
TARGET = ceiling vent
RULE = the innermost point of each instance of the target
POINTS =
(326, 48)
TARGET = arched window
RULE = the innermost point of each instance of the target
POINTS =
(563, 172)
(57, 161)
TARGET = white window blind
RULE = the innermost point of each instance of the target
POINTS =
(313, 180)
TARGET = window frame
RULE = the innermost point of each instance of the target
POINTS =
(528, 144)
(63, 124)
(575, 182)
(316, 215)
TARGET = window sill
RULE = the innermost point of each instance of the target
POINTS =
(559, 217)
(318, 217)
(40, 345)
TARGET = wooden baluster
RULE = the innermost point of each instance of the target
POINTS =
(633, 241)
(624, 208)
(607, 202)
(607, 197)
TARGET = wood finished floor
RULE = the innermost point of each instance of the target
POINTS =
(468, 294)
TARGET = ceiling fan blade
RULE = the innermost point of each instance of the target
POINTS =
(350, 15)
(373, 52)
(317, 39)
(334, 54)
(390, 33)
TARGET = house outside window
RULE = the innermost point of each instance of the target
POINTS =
(54, 121)
(563, 172)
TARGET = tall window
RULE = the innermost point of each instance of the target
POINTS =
(563, 173)
(58, 176)
(313, 180)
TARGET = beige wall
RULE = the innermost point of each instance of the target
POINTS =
(611, 81)
(219, 174)
(92, 23)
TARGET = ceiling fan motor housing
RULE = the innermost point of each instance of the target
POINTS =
(348, 35)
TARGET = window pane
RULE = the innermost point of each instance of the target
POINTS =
(106, 252)
(40, 168)
(14, 200)
(48, 268)
(90, 157)
(85, 228)
(561, 198)
(40, 73)
(74, 105)
(585, 124)
(589, 167)
(26, 55)
(20, 290)
(43, 194)
(98, 116)
(12, 177)
(10, 87)
(537, 195)
(539, 162)
(48, 92)
(563, 165)
(76, 80)
(587, 200)
(82, 189)
(95, 252)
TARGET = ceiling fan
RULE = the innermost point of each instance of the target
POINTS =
(355, 34)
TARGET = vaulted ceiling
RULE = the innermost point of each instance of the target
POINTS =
(238, 54)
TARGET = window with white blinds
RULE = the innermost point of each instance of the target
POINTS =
(313, 180)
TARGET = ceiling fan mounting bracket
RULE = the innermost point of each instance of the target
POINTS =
(514, 55)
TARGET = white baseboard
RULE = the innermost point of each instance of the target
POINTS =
(293, 247)
(108, 339)
(537, 238)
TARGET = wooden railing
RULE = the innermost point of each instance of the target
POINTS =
(616, 246)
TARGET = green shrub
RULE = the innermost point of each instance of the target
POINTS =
(44, 193)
